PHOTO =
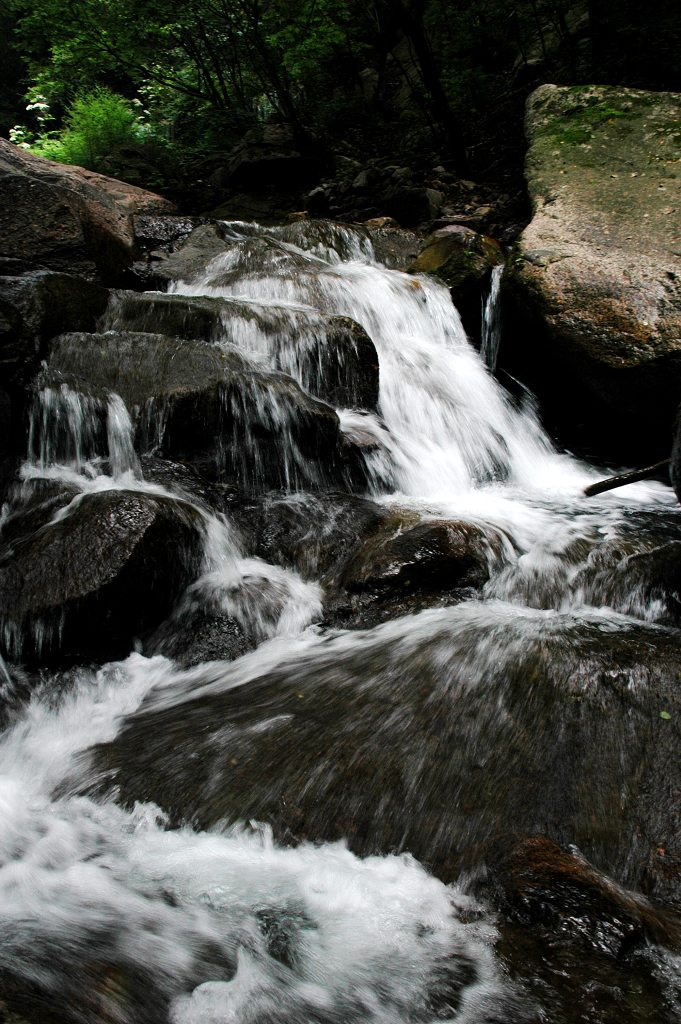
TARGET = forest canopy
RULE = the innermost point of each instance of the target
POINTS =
(193, 77)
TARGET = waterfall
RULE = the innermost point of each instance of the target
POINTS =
(140, 877)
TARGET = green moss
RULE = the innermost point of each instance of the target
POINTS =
(577, 126)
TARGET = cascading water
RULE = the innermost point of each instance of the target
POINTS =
(491, 320)
(108, 912)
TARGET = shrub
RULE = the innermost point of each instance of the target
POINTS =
(96, 123)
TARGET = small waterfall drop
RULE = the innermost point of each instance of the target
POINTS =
(491, 320)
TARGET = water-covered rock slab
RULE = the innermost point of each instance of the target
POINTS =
(68, 218)
(594, 291)
(34, 306)
(105, 570)
(445, 734)
(209, 406)
(332, 357)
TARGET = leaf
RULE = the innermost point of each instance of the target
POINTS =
(665, 715)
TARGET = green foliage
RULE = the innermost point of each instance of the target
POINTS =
(577, 127)
(96, 123)
(366, 75)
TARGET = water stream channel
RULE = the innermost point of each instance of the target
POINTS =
(328, 824)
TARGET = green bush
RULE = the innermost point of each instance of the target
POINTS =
(96, 123)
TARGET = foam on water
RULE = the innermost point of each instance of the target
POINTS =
(229, 927)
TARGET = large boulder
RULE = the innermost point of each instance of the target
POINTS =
(67, 218)
(208, 405)
(593, 293)
(90, 580)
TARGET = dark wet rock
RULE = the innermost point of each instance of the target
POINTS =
(675, 465)
(375, 563)
(580, 944)
(332, 357)
(395, 247)
(445, 735)
(32, 505)
(268, 158)
(407, 565)
(343, 367)
(156, 237)
(184, 481)
(67, 218)
(210, 407)
(189, 259)
(412, 207)
(11, 267)
(540, 883)
(463, 260)
(196, 635)
(312, 533)
(638, 571)
(593, 298)
(163, 231)
(36, 306)
(84, 586)
(179, 316)
(8, 448)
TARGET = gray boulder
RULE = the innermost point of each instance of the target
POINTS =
(593, 293)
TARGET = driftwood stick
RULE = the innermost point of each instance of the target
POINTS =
(624, 478)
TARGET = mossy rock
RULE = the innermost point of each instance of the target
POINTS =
(593, 290)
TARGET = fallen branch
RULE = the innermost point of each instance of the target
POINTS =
(624, 478)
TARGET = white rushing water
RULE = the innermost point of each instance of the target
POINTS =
(228, 926)
(491, 320)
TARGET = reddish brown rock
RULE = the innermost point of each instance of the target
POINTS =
(67, 218)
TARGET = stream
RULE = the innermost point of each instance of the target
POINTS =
(325, 826)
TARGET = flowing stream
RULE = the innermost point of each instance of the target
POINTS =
(134, 902)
